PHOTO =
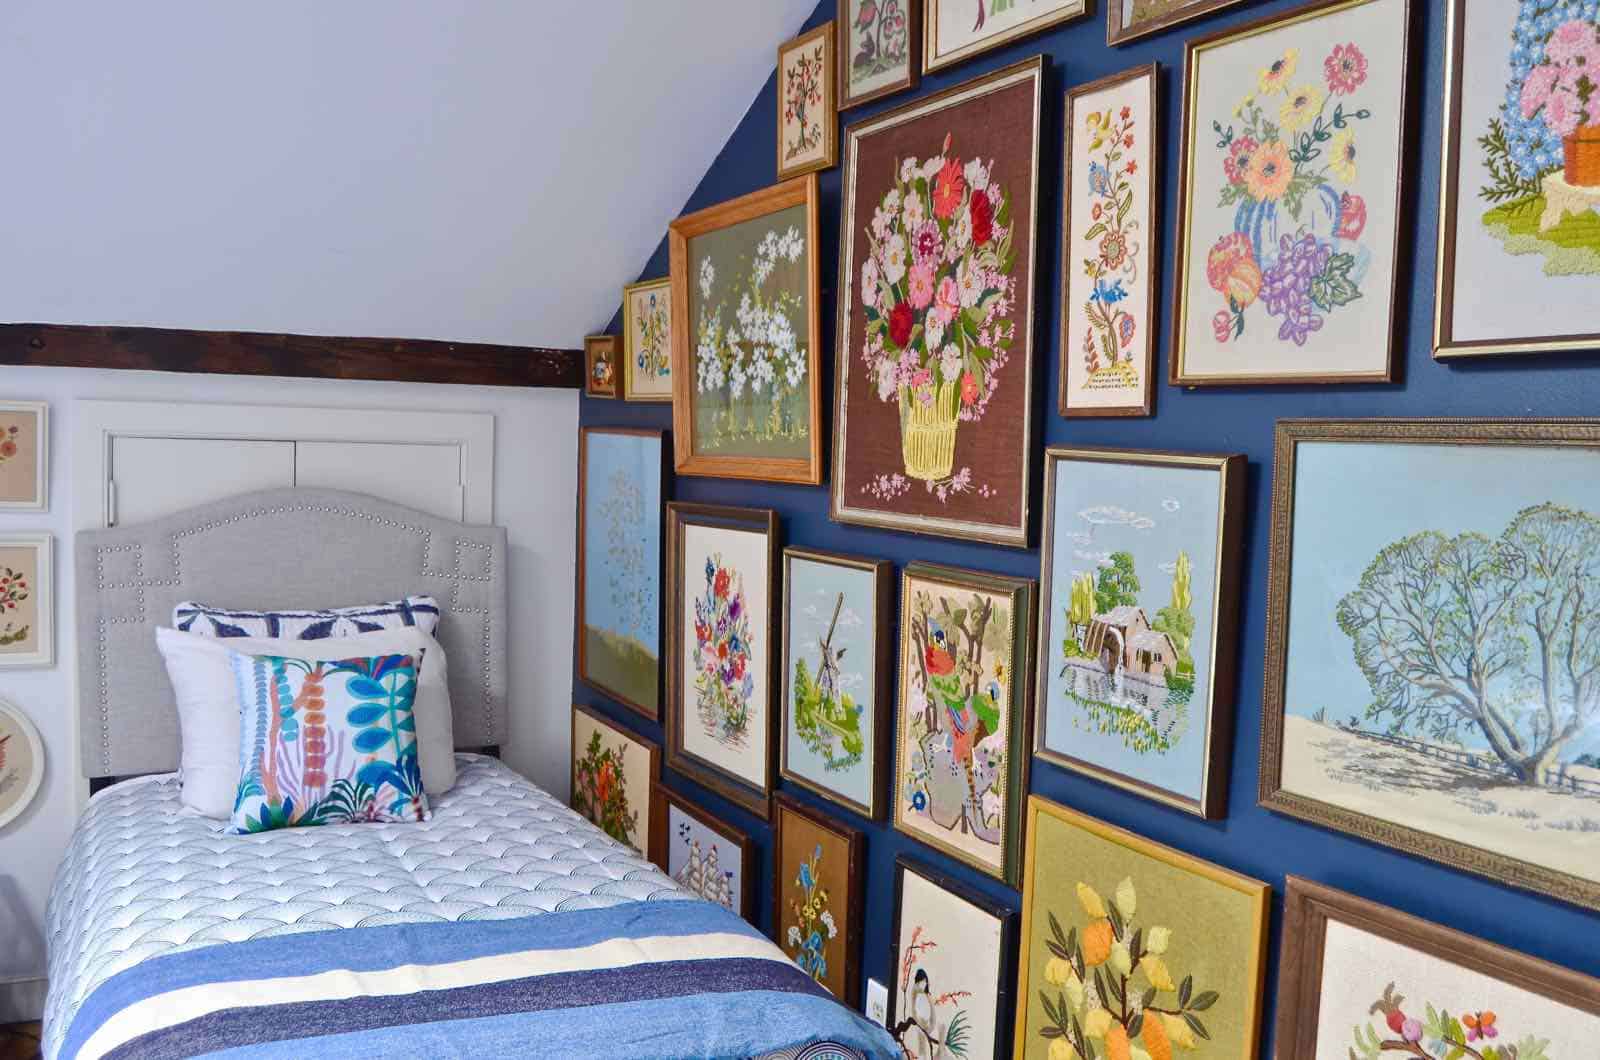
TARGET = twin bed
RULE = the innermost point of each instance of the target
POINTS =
(503, 925)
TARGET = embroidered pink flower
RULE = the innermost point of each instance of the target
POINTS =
(1345, 69)
(947, 299)
(1222, 325)
(920, 287)
(926, 244)
(1537, 88)
(969, 389)
(1574, 39)
(1563, 113)
(1237, 164)
(1352, 216)
(948, 187)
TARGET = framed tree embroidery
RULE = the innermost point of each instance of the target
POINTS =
(935, 369)
(612, 775)
(880, 49)
(1289, 210)
(819, 868)
(808, 121)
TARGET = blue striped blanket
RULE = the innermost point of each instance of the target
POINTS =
(643, 979)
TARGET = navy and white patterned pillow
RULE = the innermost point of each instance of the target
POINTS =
(419, 611)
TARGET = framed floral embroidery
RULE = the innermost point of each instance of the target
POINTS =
(721, 610)
(1110, 208)
(1128, 20)
(746, 398)
(880, 45)
(24, 455)
(613, 772)
(27, 601)
(934, 420)
(819, 868)
(21, 762)
(647, 341)
(1361, 980)
(957, 30)
(808, 122)
(1289, 212)
(600, 356)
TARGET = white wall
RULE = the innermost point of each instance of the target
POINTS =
(535, 484)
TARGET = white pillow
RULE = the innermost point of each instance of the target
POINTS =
(208, 704)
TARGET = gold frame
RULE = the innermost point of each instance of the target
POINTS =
(651, 749)
(913, 57)
(931, 64)
(1534, 433)
(1259, 892)
(595, 347)
(806, 470)
(643, 286)
(830, 101)
(1227, 564)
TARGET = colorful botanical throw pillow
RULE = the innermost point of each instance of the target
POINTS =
(326, 742)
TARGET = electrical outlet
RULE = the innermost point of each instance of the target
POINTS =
(877, 1002)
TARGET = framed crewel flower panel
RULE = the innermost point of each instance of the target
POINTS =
(1141, 602)
(950, 956)
(613, 772)
(936, 259)
(600, 354)
(745, 389)
(880, 44)
(818, 869)
(647, 341)
(1517, 224)
(1128, 20)
(1362, 980)
(808, 123)
(27, 601)
(1129, 946)
(837, 685)
(1433, 642)
(620, 510)
(1293, 181)
(21, 762)
(24, 456)
(1110, 209)
(707, 857)
(966, 683)
(721, 681)
(957, 30)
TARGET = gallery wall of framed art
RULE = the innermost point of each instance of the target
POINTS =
(1241, 727)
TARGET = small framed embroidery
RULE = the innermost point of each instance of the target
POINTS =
(957, 30)
(24, 456)
(647, 341)
(27, 603)
(21, 762)
(808, 114)
(880, 49)
(708, 857)
(613, 772)
(600, 355)
(819, 869)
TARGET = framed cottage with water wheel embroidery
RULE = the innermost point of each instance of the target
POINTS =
(1293, 181)
(937, 255)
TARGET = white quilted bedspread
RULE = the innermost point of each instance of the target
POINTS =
(143, 877)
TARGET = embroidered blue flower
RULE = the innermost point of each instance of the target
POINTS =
(1108, 294)
(1099, 179)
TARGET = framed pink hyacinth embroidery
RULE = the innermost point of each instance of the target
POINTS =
(934, 415)
(1293, 179)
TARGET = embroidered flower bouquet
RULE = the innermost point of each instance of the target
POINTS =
(723, 684)
(936, 288)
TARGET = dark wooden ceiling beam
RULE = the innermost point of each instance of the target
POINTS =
(314, 356)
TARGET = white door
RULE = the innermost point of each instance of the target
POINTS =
(422, 476)
(152, 477)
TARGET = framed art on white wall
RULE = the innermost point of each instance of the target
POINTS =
(21, 762)
(27, 616)
(24, 456)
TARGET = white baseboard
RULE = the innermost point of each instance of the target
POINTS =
(22, 1000)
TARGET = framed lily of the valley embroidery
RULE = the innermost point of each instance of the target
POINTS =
(1358, 979)
(808, 114)
(1293, 182)
(1110, 214)
(647, 341)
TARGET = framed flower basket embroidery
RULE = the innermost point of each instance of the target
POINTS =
(620, 511)
(613, 772)
(966, 683)
(957, 30)
(27, 601)
(1110, 209)
(1141, 601)
(837, 684)
(721, 610)
(1130, 945)
(24, 456)
(880, 49)
(706, 856)
(1361, 979)
(818, 869)
(1433, 639)
(1128, 20)
(600, 355)
(745, 389)
(1519, 243)
(935, 330)
(1293, 181)
(808, 113)
(647, 341)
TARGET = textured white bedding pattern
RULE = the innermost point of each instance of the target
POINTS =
(143, 877)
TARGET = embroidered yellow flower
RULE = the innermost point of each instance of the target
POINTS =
(1089, 898)
(1342, 155)
(1127, 898)
(1301, 105)
(1097, 1023)
(1155, 970)
(1060, 1050)
(1058, 972)
(1178, 1031)
(1270, 172)
(1275, 78)
(1239, 108)
(1157, 939)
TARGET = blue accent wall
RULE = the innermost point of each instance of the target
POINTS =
(1238, 419)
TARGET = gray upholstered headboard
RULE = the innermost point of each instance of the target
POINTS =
(276, 549)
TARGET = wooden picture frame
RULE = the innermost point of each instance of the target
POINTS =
(682, 234)
(1142, 902)
(871, 759)
(664, 799)
(900, 1022)
(911, 17)
(957, 462)
(819, 91)
(24, 426)
(645, 752)
(600, 358)
(658, 353)
(1232, 276)
(643, 702)
(34, 607)
(937, 56)
(1146, 261)
(1116, 34)
(1503, 468)
(789, 818)
(1310, 909)
(1220, 569)
(918, 814)
(752, 790)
